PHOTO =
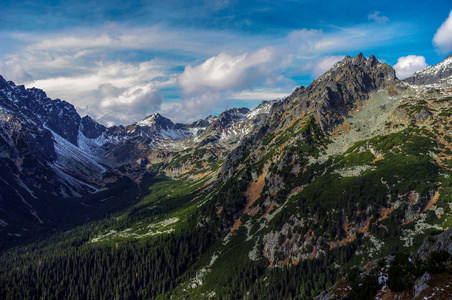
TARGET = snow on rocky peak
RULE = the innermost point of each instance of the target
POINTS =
(156, 120)
(263, 108)
(439, 73)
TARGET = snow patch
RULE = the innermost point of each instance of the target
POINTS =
(261, 109)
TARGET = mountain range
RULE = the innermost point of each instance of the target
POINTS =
(327, 193)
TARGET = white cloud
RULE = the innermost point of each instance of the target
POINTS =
(378, 18)
(87, 66)
(262, 94)
(65, 43)
(134, 100)
(112, 92)
(113, 36)
(443, 36)
(219, 77)
(408, 65)
(310, 44)
(80, 65)
(11, 70)
(224, 71)
(194, 107)
(304, 40)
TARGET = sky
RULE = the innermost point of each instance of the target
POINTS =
(119, 61)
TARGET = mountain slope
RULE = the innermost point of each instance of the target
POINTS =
(276, 203)
(315, 184)
(48, 152)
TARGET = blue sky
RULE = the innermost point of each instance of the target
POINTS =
(119, 61)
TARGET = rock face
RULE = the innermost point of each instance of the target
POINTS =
(422, 284)
(43, 157)
(433, 74)
(28, 119)
(44, 148)
(340, 89)
(90, 128)
(47, 148)
(439, 242)
(313, 182)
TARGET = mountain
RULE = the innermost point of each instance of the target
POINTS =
(49, 152)
(433, 74)
(342, 189)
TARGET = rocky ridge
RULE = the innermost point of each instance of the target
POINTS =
(48, 150)
(433, 74)
(356, 165)
(355, 135)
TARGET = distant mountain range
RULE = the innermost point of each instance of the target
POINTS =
(353, 169)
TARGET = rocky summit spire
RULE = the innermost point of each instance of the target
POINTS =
(156, 120)
(345, 84)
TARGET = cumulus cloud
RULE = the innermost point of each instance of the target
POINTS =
(375, 16)
(443, 36)
(124, 105)
(224, 71)
(135, 100)
(87, 66)
(220, 76)
(112, 92)
(408, 65)
(81, 66)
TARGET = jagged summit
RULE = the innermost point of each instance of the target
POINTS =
(90, 128)
(432, 74)
(347, 170)
(358, 65)
(341, 89)
(157, 120)
(33, 105)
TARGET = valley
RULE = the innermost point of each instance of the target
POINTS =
(318, 195)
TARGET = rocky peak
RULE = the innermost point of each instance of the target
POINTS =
(227, 118)
(359, 59)
(372, 61)
(340, 89)
(359, 66)
(62, 118)
(432, 74)
(233, 115)
(156, 120)
(38, 94)
(90, 128)
(34, 105)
